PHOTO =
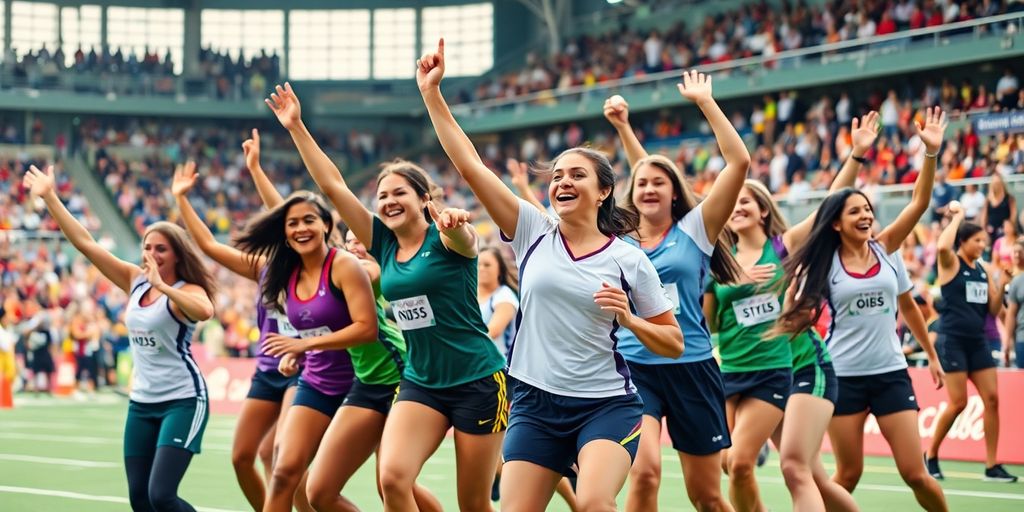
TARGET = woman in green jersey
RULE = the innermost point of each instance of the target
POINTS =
(455, 376)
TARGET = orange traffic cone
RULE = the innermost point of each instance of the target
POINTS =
(7, 372)
(66, 381)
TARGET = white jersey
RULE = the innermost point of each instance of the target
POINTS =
(862, 337)
(503, 295)
(162, 365)
(565, 343)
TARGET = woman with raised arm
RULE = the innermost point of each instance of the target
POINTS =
(574, 404)
(970, 292)
(681, 237)
(168, 295)
(862, 279)
(454, 376)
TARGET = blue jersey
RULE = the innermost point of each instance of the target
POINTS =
(683, 260)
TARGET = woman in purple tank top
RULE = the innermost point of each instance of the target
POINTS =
(271, 392)
(330, 303)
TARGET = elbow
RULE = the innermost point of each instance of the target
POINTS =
(673, 345)
(367, 333)
(742, 160)
(206, 313)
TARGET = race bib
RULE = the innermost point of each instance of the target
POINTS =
(673, 295)
(284, 327)
(757, 309)
(312, 333)
(977, 292)
(413, 313)
(144, 341)
(871, 303)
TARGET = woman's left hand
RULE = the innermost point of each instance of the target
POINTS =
(615, 300)
(277, 345)
(938, 375)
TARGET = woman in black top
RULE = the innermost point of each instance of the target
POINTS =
(1000, 205)
(969, 293)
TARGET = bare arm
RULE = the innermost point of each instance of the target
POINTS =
(120, 272)
(616, 111)
(915, 322)
(268, 193)
(231, 258)
(863, 132)
(457, 234)
(710, 306)
(949, 264)
(285, 105)
(521, 180)
(503, 315)
(500, 202)
(1010, 330)
(995, 288)
(892, 236)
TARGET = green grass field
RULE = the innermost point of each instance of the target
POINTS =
(63, 455)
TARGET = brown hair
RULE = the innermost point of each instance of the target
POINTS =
(417, 178)
(190, 267)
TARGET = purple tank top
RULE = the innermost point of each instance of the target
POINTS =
(272, 322)
(327, 371)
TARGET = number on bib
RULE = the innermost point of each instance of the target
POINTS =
(870, 303)
(413, 313)
(284, 327)
(757, 309)
(977, 292)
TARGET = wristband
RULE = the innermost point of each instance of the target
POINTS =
(931, 155)
(859, 159)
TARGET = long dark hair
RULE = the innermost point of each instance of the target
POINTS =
(190, 267)
(612, 220)
(724, 268)
(417, 178)
(507, 274)
(811, 264)
(264, 238)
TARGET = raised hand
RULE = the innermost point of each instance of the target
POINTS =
(954, 208)
(615, 300)
(934, 128)
(616, 111)
(285, 105)
(152, 272)
(448, 219)
(39, 183)
(184, 179)
(251, 149)
(430, 68)
(695, 86)
(519, 172)
(864, 131)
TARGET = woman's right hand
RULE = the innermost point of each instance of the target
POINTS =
(954, 208)
(430, 68)
(616, 111)
(863, 132)
(289, 365)
(251, 149)
(285, 105)
(184, 179)
(39, 183)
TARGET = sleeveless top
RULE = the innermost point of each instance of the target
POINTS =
(964, 305)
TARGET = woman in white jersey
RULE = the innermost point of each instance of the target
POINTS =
(681, 238)
(498, 294)
(169, 293)
(573, 400)
(864, 283)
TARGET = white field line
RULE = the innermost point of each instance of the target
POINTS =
(86, 497)
(59, 461)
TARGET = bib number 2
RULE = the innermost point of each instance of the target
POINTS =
(413, 313)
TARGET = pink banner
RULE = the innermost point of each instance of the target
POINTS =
(227, 380)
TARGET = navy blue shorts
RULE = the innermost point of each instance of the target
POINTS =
(816, 380)
(550, 430)
(770, 386)
(476, 407)
(313, 398)
(270, 385)
(964, 353)
(881, 394)
(377, 397)
(691, 398)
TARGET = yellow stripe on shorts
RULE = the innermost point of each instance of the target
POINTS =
(501, 416)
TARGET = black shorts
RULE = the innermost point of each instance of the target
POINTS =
(377, 397)
(270, 385)
(964, 353)
(550, 430)
(816, 380)
(881, 394)
(42, 361)
(691, 398)
(770, 386)
(308, 396)
(477, 407)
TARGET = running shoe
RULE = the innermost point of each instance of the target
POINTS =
(998, 474)
(762, 456)
(933, 468)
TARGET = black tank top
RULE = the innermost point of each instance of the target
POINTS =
(965, 302)
(996, 215)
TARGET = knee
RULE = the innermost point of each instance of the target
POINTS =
(162, 498)
(741, 468)
(242, 458)
(957, 405)
(645, 478)
(916, 478)
(395, 480)
(707, 500)
(286, 473)
(795, 471)
(848, 477)
(320, 498)
(595, 504)
(991, 401)
(266, 454)
(475, 502)
(139, 499)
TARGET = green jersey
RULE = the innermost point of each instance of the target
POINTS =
(744, 314)
(433, 296)
(809, 349)
(380, 363)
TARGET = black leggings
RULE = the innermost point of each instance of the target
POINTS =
(153, 481)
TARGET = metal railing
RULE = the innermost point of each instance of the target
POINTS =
(857, 50)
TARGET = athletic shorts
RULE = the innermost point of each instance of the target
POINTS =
(816, 380)
(270, 385)
(376, 397)
(177, 423)
(770, 386)
(317, 400)
(881, 394)
(476, 407)
(964, 353)
(691, 398)
(550, 430)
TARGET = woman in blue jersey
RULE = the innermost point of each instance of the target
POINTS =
(862, 279)
(497, 292)
(270, 393)
(573, 399)
(168, 294)
(970, 292)
(681, 237)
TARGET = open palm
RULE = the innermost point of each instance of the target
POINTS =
(695, 86)
(39, 183)
(285, 105)
(935, 124)
(184, 179)
(864, 130)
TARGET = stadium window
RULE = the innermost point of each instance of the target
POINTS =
(468, 32)
(79, 27)
(136, 29)
(394, 43)
(246, 31)
(33, 25)
(329, 44)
